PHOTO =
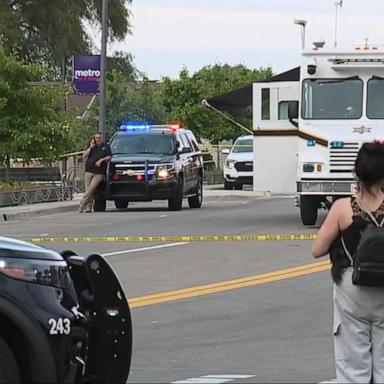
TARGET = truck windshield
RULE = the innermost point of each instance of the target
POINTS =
(126, 143)
(243, 146)
(375, 98)
(332, 98)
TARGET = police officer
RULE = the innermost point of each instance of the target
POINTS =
(98, 154)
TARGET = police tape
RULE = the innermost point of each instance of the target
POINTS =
(193, 238)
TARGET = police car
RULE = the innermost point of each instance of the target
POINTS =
(153, 162)
(63, 318)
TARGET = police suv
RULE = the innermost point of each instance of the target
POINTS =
(153, 162)
(63, 318)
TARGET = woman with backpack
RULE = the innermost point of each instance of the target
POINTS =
(349, 234)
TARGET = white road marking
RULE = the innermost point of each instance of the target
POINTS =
(233, 377)
(212, 379)
(143, 249)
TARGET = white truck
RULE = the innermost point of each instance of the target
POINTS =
(309, 131)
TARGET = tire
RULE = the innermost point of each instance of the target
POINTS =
(176, 203)
(197, 200)
(121, 204)
(228, 185)
(308, 209)
(238, 187)
(9, 370)
(99, 205)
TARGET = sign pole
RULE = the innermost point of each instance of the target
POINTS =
(102, 97)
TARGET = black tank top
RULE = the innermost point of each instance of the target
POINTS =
(351, 235)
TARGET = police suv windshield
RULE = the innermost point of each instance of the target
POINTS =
(332, 98)
(140, 143)
(243, 146)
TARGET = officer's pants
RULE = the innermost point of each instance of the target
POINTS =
(358, 331)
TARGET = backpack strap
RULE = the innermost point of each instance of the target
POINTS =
(346, 250)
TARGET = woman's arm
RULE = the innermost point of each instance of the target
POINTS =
(328, 231)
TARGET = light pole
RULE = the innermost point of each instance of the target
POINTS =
(302, 23)
(338, 3)
(103, 64)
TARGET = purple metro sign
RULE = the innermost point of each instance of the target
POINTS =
(86, 74)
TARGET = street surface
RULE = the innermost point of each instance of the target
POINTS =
(244, 325)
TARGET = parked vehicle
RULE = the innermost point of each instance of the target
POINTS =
(238, 166)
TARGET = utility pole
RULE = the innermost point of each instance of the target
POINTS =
(103, 64)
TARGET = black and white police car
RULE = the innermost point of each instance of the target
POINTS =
(153, 162)
(63, 318)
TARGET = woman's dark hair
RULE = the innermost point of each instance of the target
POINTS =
(369, 164)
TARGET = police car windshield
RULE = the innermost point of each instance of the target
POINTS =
(243, 146)
(139, 143)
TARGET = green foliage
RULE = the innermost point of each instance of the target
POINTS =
(32, 121)
(182, 98)
(47, 31)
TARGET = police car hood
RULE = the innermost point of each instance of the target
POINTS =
(241, 156)
(21, 249)
(141, 158)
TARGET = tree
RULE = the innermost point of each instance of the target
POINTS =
(50, 31)
(32, 121)
(182, 98)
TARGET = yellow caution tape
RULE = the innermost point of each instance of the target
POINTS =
(193, 238)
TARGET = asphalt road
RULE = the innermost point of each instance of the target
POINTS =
(245, 323)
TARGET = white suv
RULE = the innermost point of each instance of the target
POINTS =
(238, 166)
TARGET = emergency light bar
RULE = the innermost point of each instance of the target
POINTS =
(133, 128)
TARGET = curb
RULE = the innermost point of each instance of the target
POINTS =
(38, 212)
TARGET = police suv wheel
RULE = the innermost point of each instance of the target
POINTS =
(99, 205)
(176, 203)
(197, 200)
(9, 371)
(121, 204)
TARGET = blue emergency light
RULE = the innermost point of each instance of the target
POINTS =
(311, 143)
(135, 127)
(337, 144)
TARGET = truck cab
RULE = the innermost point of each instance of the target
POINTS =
(340, 107)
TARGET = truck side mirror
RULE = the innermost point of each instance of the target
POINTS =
(225, 151)
(293, 112)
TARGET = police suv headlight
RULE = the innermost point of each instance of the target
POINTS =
(47, 272)
(165, 171)
(230, 163)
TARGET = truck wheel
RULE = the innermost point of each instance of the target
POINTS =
(99, 205)
(9, 371)
(228, 185)
(308, 209)
(197, 200)
(176, 203)
(238, 187)
(121, 204)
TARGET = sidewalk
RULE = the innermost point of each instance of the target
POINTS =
(41, 209)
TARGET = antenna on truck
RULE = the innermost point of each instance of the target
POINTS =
(338, 3)
(302, 23)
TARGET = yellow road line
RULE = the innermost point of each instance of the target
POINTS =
(173, 239)
(202, 290)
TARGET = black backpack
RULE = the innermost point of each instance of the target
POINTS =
(368, 259)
